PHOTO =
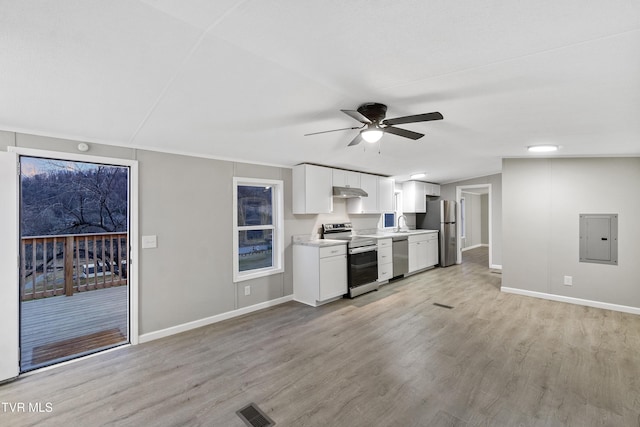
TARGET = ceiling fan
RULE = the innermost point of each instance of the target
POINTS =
(374, 125)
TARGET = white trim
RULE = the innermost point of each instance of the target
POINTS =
(212, 319)
(277, 227)
(133, 215)
(571, 300)
(459, 190)
(9, 269)
(496, 266)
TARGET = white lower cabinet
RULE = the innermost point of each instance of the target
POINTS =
(432, 249)
(423, 251)
(385, 260)
(319, 273)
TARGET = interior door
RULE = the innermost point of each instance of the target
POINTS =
(9, 341)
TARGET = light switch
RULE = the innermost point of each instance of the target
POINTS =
(149, 242)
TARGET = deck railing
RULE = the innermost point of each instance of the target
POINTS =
(65, 264)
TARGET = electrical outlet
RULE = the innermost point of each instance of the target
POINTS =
(568, 280)
(247, 290)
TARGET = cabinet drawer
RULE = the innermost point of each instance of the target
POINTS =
(432, 236)
(385, 271)
(333, 251)
(419, 237)
(384, 243)
(385, 255)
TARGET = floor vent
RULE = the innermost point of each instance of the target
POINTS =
(442, 305)
(254, 417)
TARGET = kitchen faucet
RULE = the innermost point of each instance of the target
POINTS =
(398, 224)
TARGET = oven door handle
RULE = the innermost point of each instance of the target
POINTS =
(362, 250)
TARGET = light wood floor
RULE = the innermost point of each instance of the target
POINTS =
(388, 358)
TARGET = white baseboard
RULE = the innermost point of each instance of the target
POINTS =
(496, 266)
(210, 320)
(571, 300)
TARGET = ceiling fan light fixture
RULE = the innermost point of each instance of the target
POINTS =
(371, 135)
(542, 148)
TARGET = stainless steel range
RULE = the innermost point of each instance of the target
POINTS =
(362, 258)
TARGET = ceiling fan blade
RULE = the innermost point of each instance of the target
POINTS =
(333, 130)
(357, 140)
(412, 119)
(357, 115)
(403, 132)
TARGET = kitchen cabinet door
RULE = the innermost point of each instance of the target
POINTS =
(343, 178)
(312, 189)
(432, 250)
(333, 277)
(414, 197)
(369, 204)
(386, 190)
(432, 189)
(413, 257)
(423, 255)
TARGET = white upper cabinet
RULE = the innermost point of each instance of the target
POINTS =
(312, 189)
(343, 178)
(432, 189)
(364, 205)
(386, 190)
(414, 197)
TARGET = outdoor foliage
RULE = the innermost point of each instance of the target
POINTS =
(60, 197)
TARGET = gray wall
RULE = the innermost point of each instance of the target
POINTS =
(448, 192)
(187, 202)
(484, 215)
(542, 202)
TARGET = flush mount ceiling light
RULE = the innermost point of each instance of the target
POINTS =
(372, 134)
(418, 175)
(543, 148)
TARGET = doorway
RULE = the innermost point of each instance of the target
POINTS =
(474, 236)
(74, 259)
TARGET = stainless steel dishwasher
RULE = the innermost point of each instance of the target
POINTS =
(400, 255)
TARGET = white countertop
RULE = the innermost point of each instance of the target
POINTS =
(320, 243)
(383, 234)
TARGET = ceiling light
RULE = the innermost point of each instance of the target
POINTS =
(372, 134)
(418, 175)
(545, 148)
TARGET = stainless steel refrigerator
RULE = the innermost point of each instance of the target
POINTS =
(441, 216)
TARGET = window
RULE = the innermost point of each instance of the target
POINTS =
(388, 219)
(257, 228)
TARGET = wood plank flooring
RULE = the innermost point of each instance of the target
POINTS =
(387, 358)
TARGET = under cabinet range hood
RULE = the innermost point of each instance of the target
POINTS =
(346, 192)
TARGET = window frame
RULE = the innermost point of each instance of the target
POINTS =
(277, 228)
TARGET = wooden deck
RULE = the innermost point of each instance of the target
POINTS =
(53, 328)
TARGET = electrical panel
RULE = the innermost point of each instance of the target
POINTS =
(599, 238)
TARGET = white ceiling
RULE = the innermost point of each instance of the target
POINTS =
(245, 80)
